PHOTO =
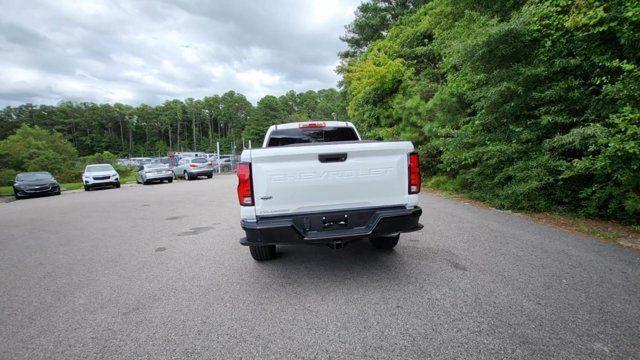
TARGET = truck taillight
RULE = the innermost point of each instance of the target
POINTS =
(245, 189)
(414, 173)
(312, 125)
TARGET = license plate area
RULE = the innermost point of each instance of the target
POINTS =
(331, 222)
(343, 220)
(326, 222)
(37, 189)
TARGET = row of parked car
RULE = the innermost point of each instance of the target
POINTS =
(186, 168)
(226, 162)
(104, 175)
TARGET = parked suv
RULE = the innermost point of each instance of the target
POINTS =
(100, 175)
(191, 168)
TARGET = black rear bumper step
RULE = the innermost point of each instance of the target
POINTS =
(328, 227)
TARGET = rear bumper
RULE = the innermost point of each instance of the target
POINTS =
(199, 172)
(160, 176)
(313, 229)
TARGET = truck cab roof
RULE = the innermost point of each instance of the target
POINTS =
(305, 129)
(294, 125)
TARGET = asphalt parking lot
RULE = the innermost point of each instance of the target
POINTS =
(157, 272)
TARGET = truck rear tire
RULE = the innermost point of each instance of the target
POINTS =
(385, 242)
(262, 253)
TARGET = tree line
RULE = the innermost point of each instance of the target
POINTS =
(189, 125)
(525, 104)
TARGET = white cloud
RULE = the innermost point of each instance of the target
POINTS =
(258, 81)
(150, 51)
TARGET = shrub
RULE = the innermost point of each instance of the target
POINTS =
(36, 149)
(7, 176)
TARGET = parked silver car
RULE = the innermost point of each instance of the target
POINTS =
(153, 172)
(100, 175)
(191, 168)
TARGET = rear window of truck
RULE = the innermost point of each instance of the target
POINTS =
(283, 137)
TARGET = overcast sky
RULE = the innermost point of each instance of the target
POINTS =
(150, 51)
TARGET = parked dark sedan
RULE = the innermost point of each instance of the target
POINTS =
(35, 183)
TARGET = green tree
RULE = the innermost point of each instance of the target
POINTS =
(267, 112)
(528, 105)
(235, 114)
(373, 19)
(193, 124)
(37, 149)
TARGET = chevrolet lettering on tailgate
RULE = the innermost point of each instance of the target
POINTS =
(335, 174)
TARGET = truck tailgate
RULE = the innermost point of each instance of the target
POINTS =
(332, 176)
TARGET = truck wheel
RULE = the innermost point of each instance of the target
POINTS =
(186, 176)
(385, 242)
(209, 176)
(262, 253)
(86, 188)
(170, 180)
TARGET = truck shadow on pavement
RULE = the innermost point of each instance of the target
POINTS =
(360, 262)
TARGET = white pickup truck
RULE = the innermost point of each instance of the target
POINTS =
(319, 183)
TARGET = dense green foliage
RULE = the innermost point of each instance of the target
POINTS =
(531, 105)
(372, 21)
(37, 149)
(175, 125)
